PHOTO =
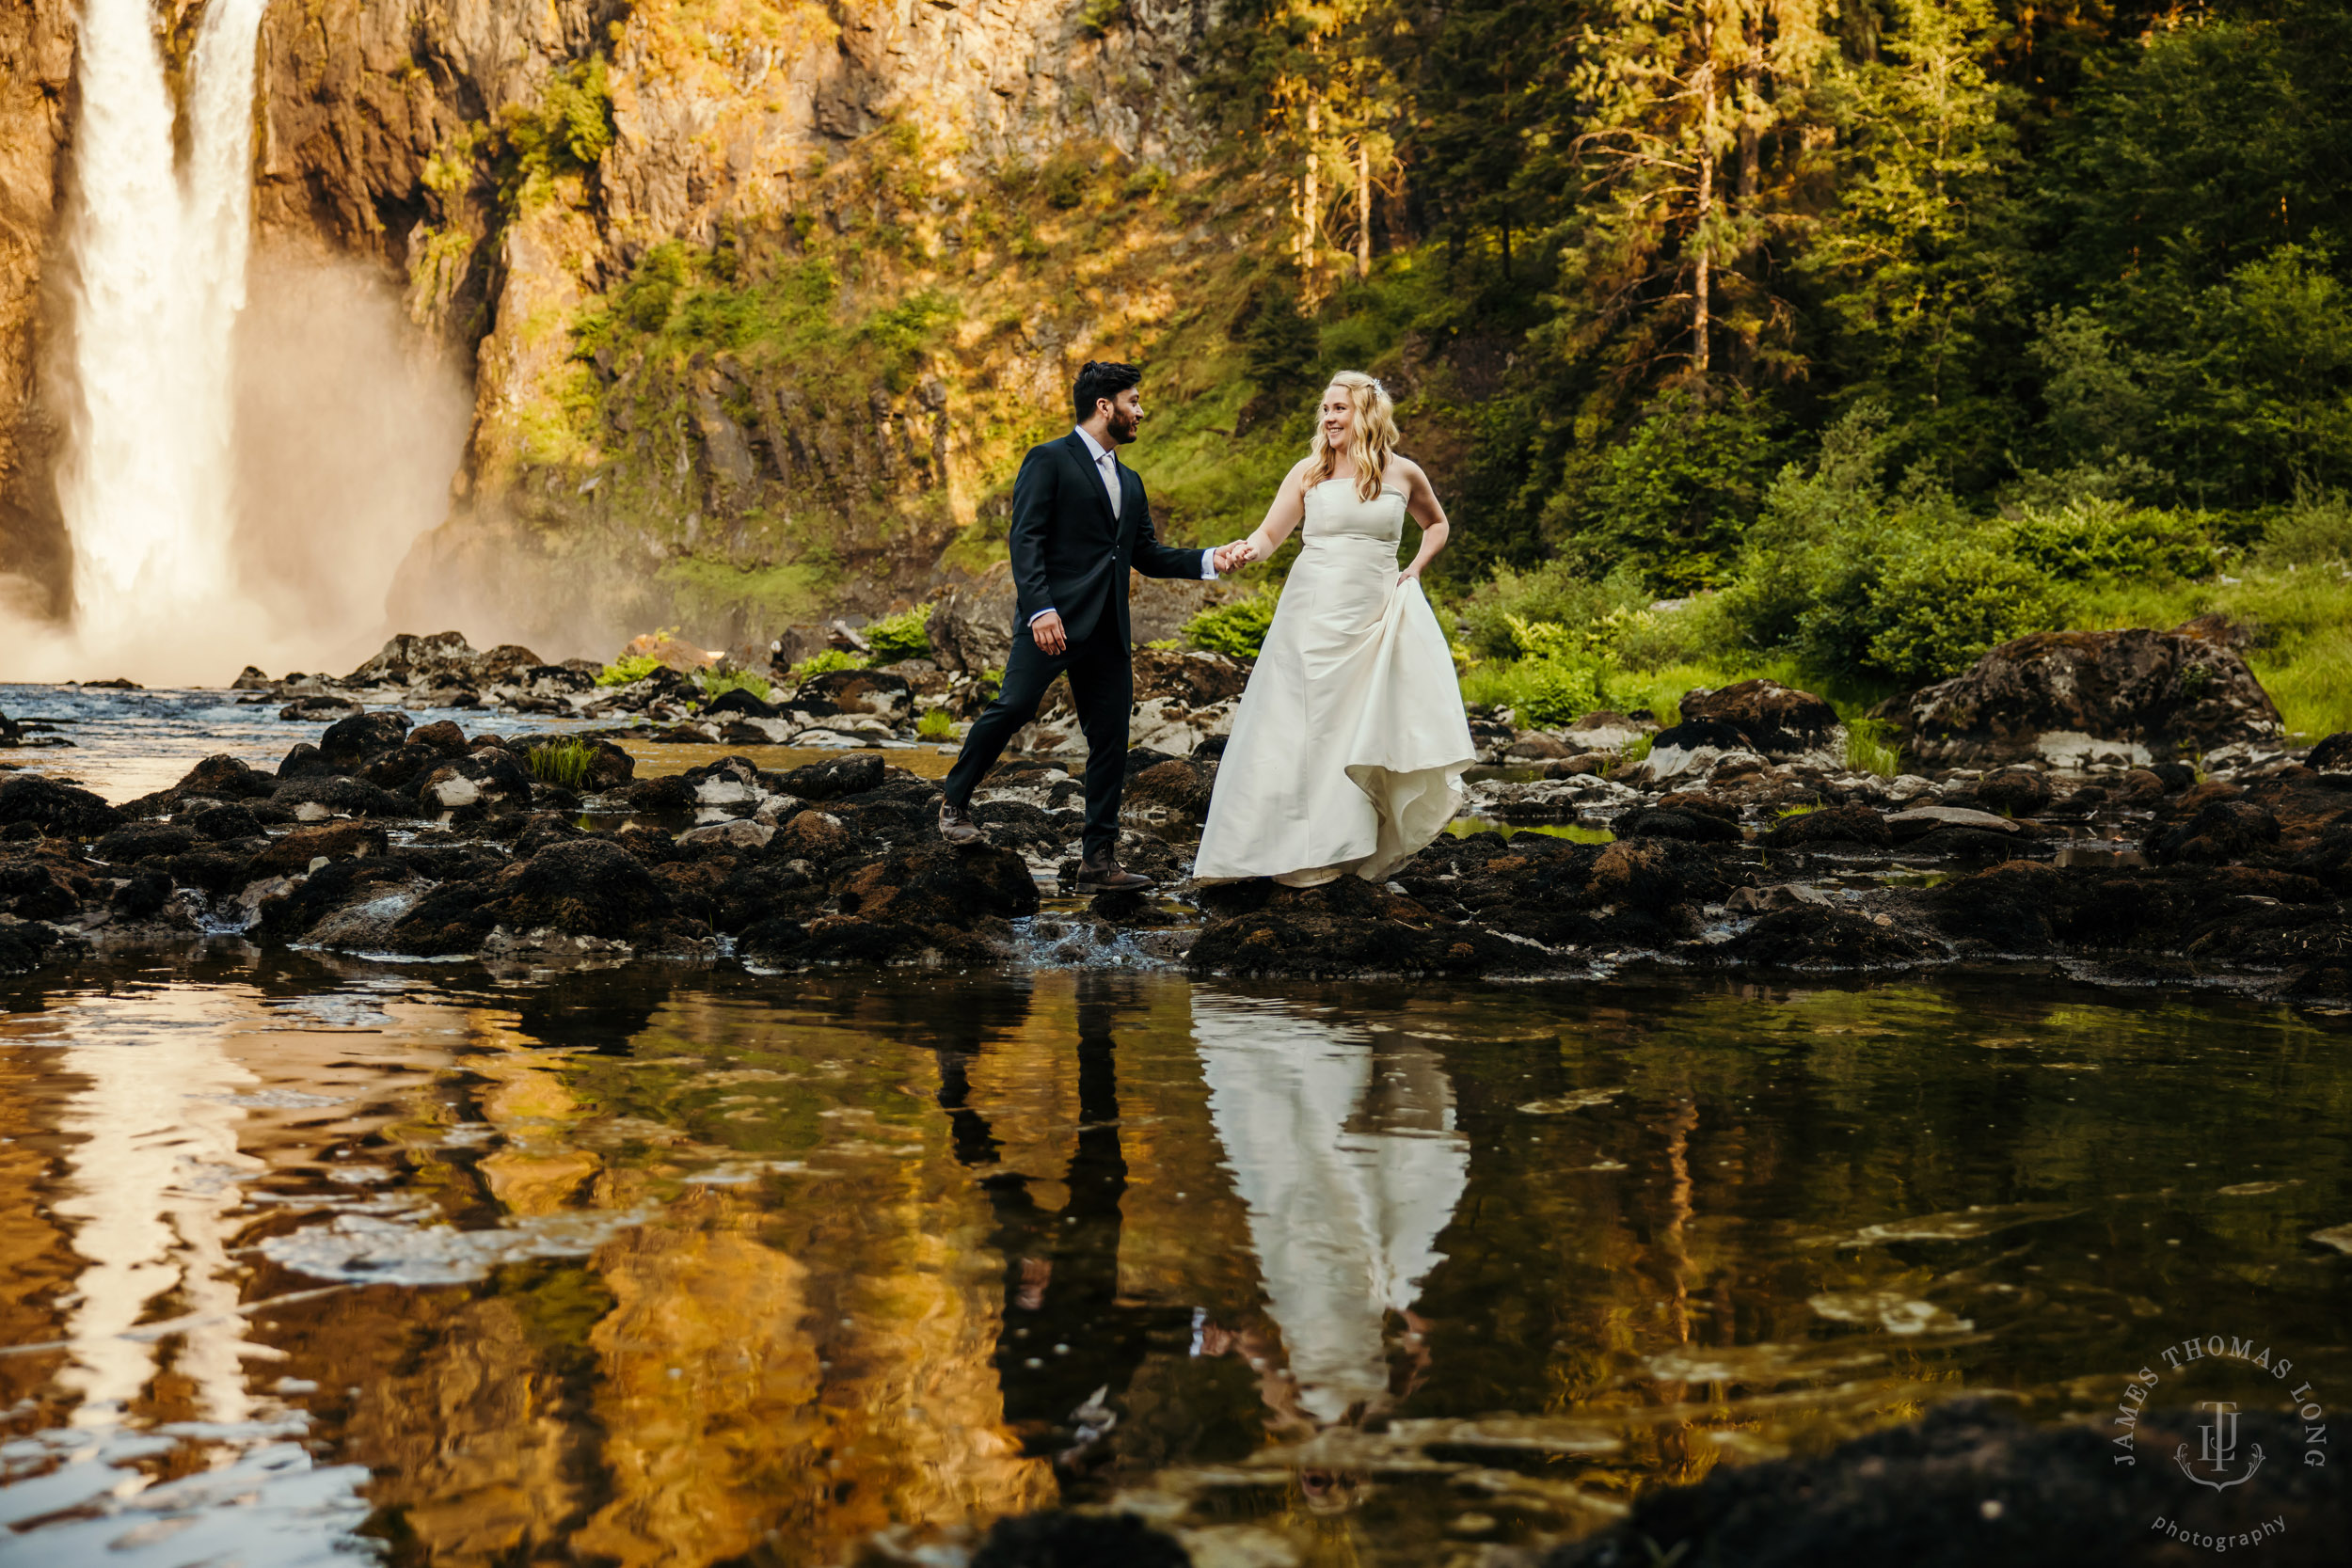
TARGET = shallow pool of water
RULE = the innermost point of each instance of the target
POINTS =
(312, 1260)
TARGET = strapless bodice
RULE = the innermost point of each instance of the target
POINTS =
(1334, 513)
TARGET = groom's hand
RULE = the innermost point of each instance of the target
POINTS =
(1046, 632)
(1238, 553)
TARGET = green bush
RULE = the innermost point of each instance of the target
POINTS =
(1941, 607)
(561, 762)
(1237, 629)
(823, 663)
(2092, 539)
(935, 725)
(1551, 691)
(905, 634)
(2314, 531)
(1673, 497)
(1552, 592)
(623, 672)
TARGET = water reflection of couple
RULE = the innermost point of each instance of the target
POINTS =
(1343, 1150)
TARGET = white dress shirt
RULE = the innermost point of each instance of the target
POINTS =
(1106, 464)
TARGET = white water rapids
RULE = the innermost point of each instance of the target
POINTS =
(160, 258)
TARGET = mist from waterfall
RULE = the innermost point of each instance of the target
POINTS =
(239, 485)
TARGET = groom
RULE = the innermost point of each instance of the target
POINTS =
(1079, 521)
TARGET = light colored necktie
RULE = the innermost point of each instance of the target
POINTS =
(1108, 464)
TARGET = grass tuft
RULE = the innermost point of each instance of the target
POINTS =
(561, 762)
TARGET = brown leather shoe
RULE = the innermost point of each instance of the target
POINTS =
(1107, 875)
(956, 825)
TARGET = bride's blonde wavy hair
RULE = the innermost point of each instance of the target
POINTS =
(1372, 440)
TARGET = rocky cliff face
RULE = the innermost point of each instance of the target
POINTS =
(35, 74)
(759, 298)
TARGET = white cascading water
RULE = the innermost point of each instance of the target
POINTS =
(160, 262)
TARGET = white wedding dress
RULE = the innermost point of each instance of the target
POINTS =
(1349, 751)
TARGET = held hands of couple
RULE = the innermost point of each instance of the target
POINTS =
(1241, 552)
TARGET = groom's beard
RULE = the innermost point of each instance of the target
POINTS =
(1121, 431)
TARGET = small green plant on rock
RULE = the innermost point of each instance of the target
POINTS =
(1237, 629)
(627, 670)
(1870, 748)
(823, 663)
(905, 634)
(561, 762)
(935, 725)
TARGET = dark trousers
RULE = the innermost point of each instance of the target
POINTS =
(1102, 684)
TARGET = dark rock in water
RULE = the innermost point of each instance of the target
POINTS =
(312, 709)
(252, 679)
(1177, 788)
(302, 761)
(852, 692)
(488, 775)
(1212, 747)
(59, 809)
(2331, 756)
(2173, 776)
(144, 840)
(341, 798)
(442, 735)
(143, 896)
(319, 907)
(737, 700)
(293, 854)
(1971, 1485)
(226, 822)
(1695, 827)
(2068, 694)
(440, 659)
(816, 835)
(1779, 721)
(834, 777)
(2223, 830)
(938, 884)
(349, 742)
(1819, 937)
(1061, 1540)
(29, 945)
(213, 868)
(670, 792)
(45, 885)
(118, 684)
(2016, 791)
(1850, 824)
(1348, 927)
(219, 777)
(1968, 843)
(587, 887)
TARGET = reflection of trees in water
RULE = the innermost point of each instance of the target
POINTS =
(669, 1398)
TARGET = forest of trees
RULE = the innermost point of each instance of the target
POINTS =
(2062, 287)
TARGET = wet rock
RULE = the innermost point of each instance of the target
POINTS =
(2076, 696)
(44, 885)
(1348, 928)
(2016, 792)
(815, 834)
(314, 708)
(2222, 831)
(1607, 730)
(142, 841)
(1820, 937)
(1919, 822)
(483, 777)
(219, 777)
(349, 742)
(2331, 756)
(1779, 722)
(300, 851)
(62, 809)
(1848, 825)
(143, 896)
(442, 735)
(252, 679)
(1692, 748)
(315, 797)
(224, 823)
(835, 777)
(30, 945)
(735, 699)
(1175, 788)
(1534, 746)
(938, 884)
(1194, 678)
(1694, 826)
(743, 834)
(854, 691)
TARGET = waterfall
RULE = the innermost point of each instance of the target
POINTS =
(159, 256)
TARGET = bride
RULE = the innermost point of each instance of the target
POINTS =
(1348, 750)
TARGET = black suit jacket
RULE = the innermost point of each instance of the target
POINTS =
(1069, 554)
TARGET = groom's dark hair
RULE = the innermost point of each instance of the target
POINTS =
(1101, 378)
